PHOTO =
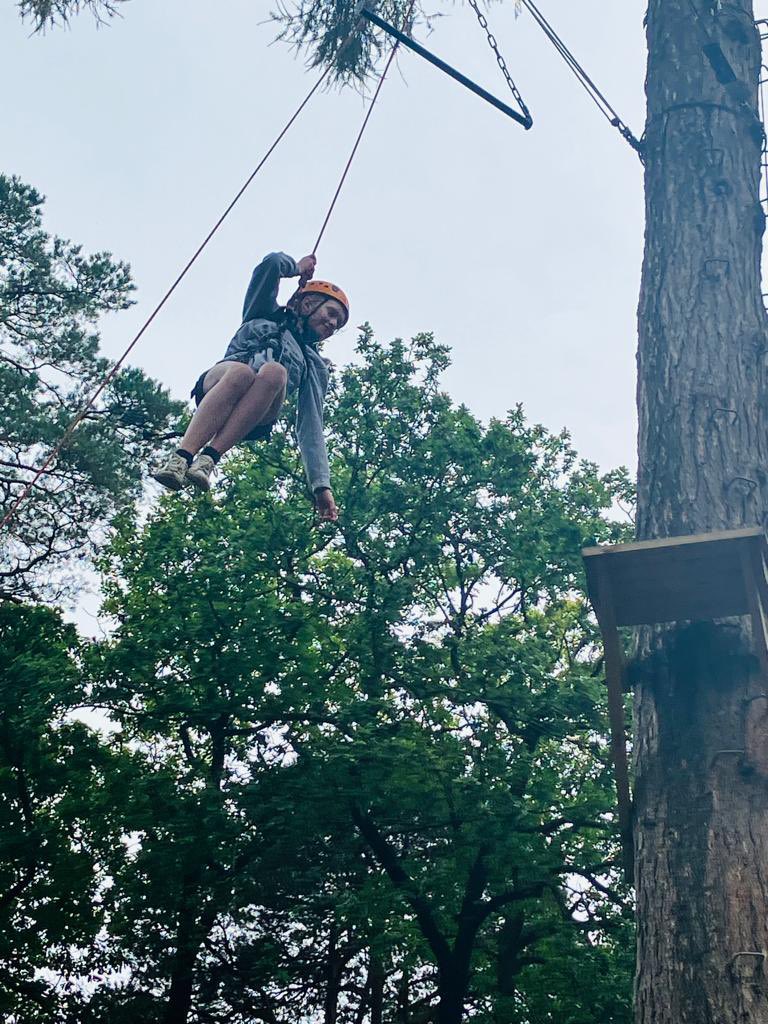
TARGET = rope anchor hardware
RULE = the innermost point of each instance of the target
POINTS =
(747, 954)
(523, 118)
(720, 753)
(594, 93)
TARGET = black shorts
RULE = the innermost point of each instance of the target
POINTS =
(261, 433)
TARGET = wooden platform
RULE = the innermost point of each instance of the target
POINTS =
(704, 576)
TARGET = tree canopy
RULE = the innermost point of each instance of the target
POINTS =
(330, 32)
(356, 772)
(51, 298)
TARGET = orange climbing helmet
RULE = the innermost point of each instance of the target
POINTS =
(331, 291)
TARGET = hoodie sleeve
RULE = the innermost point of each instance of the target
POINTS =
(309, 425)
(261, 297)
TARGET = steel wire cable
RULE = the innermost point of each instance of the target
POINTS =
(596, 95)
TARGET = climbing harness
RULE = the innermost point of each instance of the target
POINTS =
(524, 117)
(597, 97)
(88, 404)
(110, 375)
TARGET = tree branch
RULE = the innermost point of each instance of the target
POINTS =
(388, 859)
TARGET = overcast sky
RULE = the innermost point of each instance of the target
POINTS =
(521, 250)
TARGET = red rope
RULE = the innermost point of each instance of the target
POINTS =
(358, 140)
(109, 376)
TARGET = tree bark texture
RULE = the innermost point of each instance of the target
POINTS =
(701, 714)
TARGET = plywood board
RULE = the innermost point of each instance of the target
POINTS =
(678, 578)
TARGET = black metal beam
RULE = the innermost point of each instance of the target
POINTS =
(526, 122)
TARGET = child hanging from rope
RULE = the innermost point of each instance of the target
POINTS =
(274, 353)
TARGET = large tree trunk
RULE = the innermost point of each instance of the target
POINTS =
(701, 833)
(182, 969)
(453, 981)
(334, 971)
(377, 978)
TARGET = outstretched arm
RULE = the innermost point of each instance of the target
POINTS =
(261, 297)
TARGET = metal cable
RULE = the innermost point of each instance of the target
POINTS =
(598, 98)
(113, 371)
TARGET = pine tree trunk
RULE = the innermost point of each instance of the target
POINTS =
(701, 832)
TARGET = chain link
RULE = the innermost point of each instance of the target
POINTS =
(499, 59)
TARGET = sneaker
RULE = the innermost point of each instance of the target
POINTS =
(172, 473)
(199, 473)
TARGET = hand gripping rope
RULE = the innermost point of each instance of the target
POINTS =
(83, 412)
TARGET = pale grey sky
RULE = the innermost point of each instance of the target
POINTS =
(521, 250)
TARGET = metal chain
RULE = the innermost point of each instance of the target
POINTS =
(499, 58)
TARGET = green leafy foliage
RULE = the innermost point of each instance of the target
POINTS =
(374, 776)
(60, 793)
(51, 296)
(334, 35)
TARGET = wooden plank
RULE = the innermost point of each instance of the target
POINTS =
(680, 578)
(614, 676)
(753, 566)
(687, 540)
(705, 576)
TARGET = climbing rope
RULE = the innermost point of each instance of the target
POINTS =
(360, 134)
(499, 58)
(597, 97)
(83, 412)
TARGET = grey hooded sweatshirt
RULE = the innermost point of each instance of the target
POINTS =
(263, 338)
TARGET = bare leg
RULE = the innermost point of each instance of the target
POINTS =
(225, 384)
(260, 404)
